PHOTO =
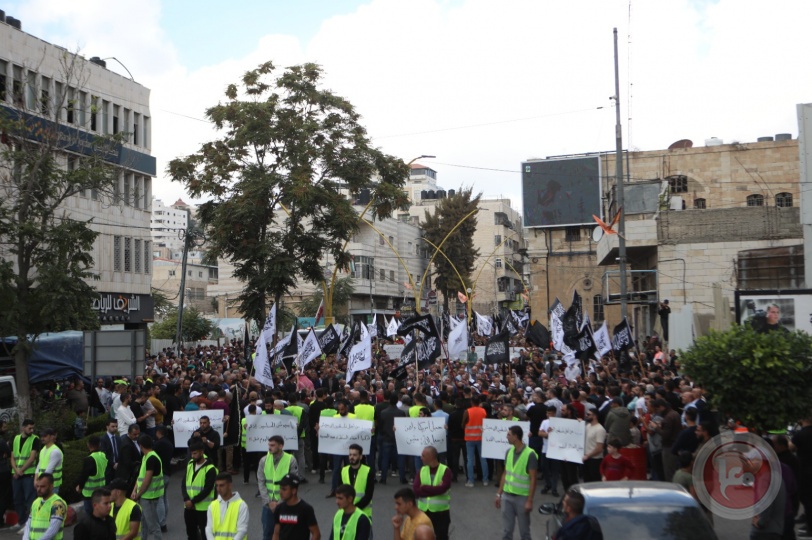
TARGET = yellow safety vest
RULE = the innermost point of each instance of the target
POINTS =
(227, 528)
(156, 484)
(22, 455)
(360, 486)
(243, 423)
(297, 412)
(438, 503)
(349, 528)
(196, 481)
(517, 481)
(275, 474)
(365, 411)
(44, 457)
(414, 411)
(41, 517)
(123, 519)
(97, 480)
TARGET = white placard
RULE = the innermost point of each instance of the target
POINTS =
(393, 351)
(184, 423)
(566, 440)
(337, 434)
(414, 434)
(260, 427)
(494, 437)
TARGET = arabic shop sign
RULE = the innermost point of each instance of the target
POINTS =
(123, 307)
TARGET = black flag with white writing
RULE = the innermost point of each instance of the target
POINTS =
(424, 323)
(622, 337)
(329, 340)
(498, 348)
(538, 335)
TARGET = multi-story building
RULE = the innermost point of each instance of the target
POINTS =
(701, 222)
(166, 277)
(166, 225)
(83, 98)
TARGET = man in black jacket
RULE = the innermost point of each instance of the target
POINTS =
(110, 444)
(99, 524)
(129, 458)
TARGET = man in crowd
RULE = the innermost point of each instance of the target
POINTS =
(149, 488)
(593, 447)
(361, 478)
(98, 524)
(228, 514)
(349, 521)
(517, 486)
(129, 459)
(50, 458)
(472, 422)
(576, 525)
(432, 487)
(47, 516)
(408, 516)
(209, 437)
(126, 513)
(92, 475)
(110, 444)
(295, 519)
(273, 466)
(197, 491)
(24, 452)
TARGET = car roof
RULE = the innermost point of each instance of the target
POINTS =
(646, 492)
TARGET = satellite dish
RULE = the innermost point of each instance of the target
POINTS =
(597, 234)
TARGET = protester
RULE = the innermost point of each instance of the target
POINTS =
(227, 515)
(24, 457)
(408, 516)
(517, 486)
(48, 511)
(98, 524)
(295, 519)
(349, 521)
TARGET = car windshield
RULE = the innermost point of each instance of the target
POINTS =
(648, 522)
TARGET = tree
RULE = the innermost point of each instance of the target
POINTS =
(763, 380)
(46, 261)
(459, 247)
(342, 293)
(278, 181)
(161, 303)
(195, 326)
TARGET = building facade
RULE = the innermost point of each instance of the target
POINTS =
(83, 98)
(166, 278)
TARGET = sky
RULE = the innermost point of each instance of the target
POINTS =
(480, 84)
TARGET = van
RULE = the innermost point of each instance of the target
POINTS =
(8, 398)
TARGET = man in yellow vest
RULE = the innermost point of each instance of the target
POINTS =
(24, 451)
(50, 458)
(149, 488)
(432, 487)
(349, 522)
(517, 486)
(365, 411)
(342, 411)
(228, 514)
(249, 459)
(361, 478)
(91, 477)
(47, 517)
(125, 512)
(198, 490)
(271, 469)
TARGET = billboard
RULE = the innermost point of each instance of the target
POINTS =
(795, 307)
(561, 192)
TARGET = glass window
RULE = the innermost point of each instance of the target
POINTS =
(17, 86)
(382, 275)
(128, 255)
(94, 113)
(783, 200)
(573, 234)
(128, 179)
(700, 204)
(117, 254)
(105, 117)
(498, 263)
(755, 200)
(81, 107)
(392, 276)
(497, 239)
(45, 97)
(597, 308)
(3, 79)
(678, 184)
(71, 105)
(116, 113)
(137, 255)
(31, 91)
(147, 258)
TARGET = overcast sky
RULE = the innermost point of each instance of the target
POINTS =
(481, 84)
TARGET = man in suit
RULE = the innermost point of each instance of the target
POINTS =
(129, 458)
(110, 444)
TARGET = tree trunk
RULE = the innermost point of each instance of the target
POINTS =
(24, 407)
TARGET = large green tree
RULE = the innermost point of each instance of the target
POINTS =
(763, 380)
(459, 248)
(45, 250)
(280, 180)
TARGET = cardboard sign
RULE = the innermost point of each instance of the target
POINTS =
(337, 434)
(494, 437)
(566, 440)
(261, 427)
(184, 423)
(414, 434)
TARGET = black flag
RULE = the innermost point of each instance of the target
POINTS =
(571, 321)
(498, 348)
(424, 323)
(538, 334)
(621, 337)
(292, 348)
(349, 339)
(329, 340)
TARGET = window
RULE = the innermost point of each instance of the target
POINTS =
(105, 117)
(171, 272)
(116, 254)
(81, 106)
(392, 276)
(125, 124)
(137, 192)
(3, 79)
(382, 275)
(136, 121)
(59, 98)
(755, 200)
(45, 97)
(116, 112)
(498, 263)
(147, 258)
(128, 179)
(380, 240)
(200, 273)
(572, 234)
(17, 86)
(501, 283)
(783, 200)
(597, 308)
(147, 198)
(392, 240)
(678, 184)
(128, 255)
(71, 105)
(94, 113)
(497, 239)
(146, 132)
(212, 273)
(700, 204)
(137, 253)
(189, 273)
(31, 91)
(364, 268)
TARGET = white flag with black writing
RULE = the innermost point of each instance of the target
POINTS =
(602, 340)
(360, 356)
(392, 328)
(309, 350)
(457, 340)
(262, 364)
(484, 325)
(373, 328)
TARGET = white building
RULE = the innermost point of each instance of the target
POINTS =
(93, 100)
(167, 221)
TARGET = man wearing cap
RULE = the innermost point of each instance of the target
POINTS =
(194, 399)
(228, 514)
(24, 452)
(272, 467)
(50, 459)
(197, 490)
(97, 524)
(92, 475)
(149, 487)
(47, 517)
(295, 519)
(125, 512)
(209, 437)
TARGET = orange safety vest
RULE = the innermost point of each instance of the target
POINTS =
(473, 429)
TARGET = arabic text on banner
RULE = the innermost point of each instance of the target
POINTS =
(566, 440)
(494, 437)
(414, 434)
(337, 434)
(184, 423)
(260, 427)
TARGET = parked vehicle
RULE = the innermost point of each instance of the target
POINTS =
(640, 510)
(8, 398)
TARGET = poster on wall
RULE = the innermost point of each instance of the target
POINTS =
(769, 309)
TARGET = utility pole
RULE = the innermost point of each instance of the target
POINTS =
(189, 238)
(621, 228)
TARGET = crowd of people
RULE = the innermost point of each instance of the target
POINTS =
(639, 405)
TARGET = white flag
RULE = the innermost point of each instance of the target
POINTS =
(364, 332)
(392, 328)
(360, 356)
(309, 349)
(484, 325)
(373, 330)
(280, 347)
(453, 322)
(457, 340)
(262, 366)
(557, 331)
(602, 340)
